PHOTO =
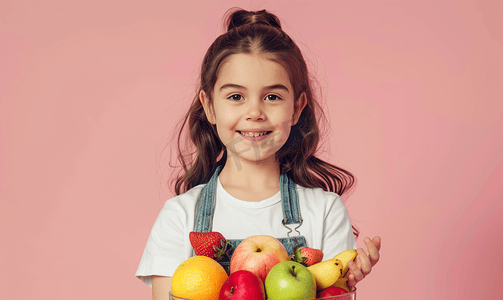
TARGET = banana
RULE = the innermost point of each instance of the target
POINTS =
(342, 283)
(326, 272)
(345, 257)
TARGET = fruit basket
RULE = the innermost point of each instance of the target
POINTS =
(262, 268)
(348, 296)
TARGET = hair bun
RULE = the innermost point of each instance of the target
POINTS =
(243, 17)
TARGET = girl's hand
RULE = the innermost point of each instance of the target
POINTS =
(364, 261)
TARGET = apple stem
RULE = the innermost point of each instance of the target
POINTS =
(293, 273)
(232, 290)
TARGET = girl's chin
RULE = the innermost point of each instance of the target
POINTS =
(251, 157)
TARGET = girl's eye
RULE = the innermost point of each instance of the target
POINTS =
(273, 97)
(235, 97)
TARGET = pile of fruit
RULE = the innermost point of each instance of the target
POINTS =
(260, 268)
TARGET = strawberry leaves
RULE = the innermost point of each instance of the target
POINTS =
(297, 257)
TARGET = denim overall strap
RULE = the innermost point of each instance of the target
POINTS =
(205, 206)
(289, 200)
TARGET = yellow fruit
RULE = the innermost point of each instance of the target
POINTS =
(342, 283)
(326, 272)
(345, 257)
(198, 278)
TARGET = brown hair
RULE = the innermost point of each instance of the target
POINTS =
(259, 32)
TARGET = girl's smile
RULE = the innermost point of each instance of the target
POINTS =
(253, 107)
(253, 135)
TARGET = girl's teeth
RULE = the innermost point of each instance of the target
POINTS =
(252, 134)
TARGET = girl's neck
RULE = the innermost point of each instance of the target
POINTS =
(250, 181)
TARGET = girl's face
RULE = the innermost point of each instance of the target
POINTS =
(253, 107)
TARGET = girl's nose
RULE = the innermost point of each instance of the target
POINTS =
(255, 112)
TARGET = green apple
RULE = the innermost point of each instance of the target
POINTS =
(290, 280)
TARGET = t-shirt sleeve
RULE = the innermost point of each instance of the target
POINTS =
(165, 248)
(338, 234)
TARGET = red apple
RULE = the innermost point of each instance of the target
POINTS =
(331, 291)
(242, 284)
(258, 254)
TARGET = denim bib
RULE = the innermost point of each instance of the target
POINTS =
(205, 209)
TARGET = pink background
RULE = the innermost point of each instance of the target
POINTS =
(90, 92)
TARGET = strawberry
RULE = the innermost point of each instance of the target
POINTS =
(210, 244)
(307, 256)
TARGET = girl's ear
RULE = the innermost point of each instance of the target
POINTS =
(298, 107)
(208, 108)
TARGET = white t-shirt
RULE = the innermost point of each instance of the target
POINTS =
(325, 226)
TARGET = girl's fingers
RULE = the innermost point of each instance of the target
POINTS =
(377, 242)
(351, 282)
(362, 265)
(355, 271)
(358, 261)
(373, 249)
(365, 264)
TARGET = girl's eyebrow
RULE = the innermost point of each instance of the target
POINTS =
(270, 87)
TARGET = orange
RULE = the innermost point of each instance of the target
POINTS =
(198, 278)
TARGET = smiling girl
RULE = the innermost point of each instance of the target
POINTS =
(254, 125)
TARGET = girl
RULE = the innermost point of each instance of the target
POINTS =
(254, 126)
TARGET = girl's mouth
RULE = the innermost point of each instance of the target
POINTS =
(253, 134)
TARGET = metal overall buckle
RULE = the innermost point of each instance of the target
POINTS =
(289, 229)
